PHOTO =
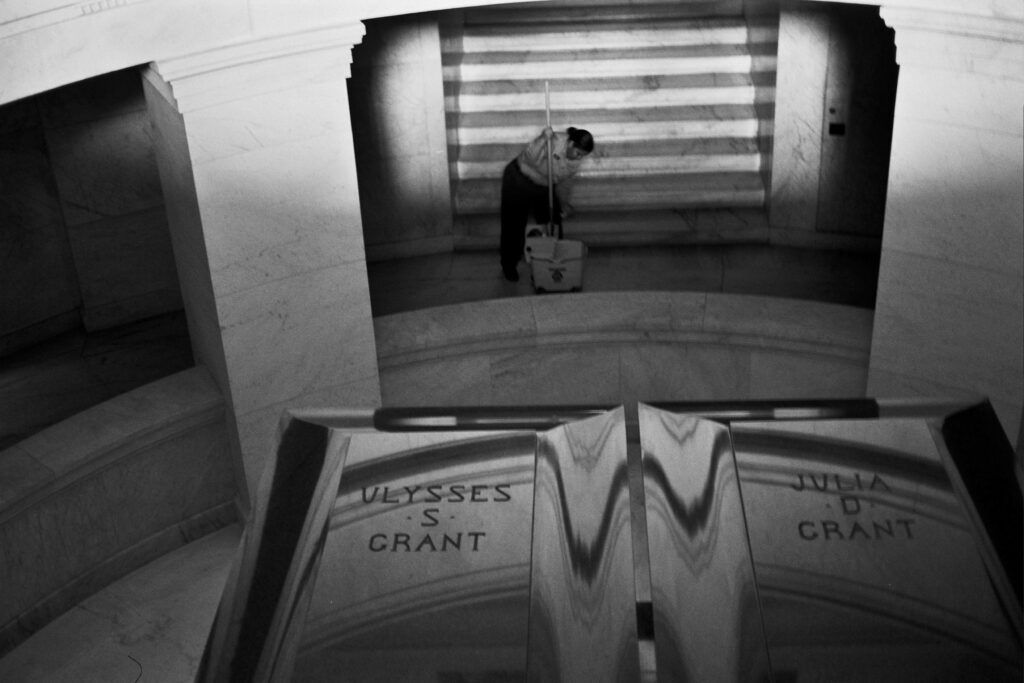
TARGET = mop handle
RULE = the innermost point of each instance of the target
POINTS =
(551, 189)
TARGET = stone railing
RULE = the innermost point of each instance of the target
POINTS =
(99, 495)
(621, 347)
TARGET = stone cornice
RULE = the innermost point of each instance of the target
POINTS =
(955, 23)
(260, 48)
(262, 64)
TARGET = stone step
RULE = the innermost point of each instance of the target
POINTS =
(628, 82)
(719, 59)
(611, 131)
(676, 102)
(598, 52)
(604, 115)
(558, 38)
(634, 98)
(611, 149)
(628, 167)
(635, 228)
(614, 11)
(675, 191)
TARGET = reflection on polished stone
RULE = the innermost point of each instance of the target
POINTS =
(707, 622)
(582, 601)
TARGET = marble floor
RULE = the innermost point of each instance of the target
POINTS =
(152, 625)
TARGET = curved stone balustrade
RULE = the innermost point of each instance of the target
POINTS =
(99, 495)
(613, 347)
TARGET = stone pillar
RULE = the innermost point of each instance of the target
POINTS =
(948, 320)
(258, 171)
(398, 119)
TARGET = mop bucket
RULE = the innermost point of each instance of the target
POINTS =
(556, 265)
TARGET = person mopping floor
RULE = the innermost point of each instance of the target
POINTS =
(525, 189)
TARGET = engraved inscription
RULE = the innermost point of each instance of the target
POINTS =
(433, 497)
(854, 524)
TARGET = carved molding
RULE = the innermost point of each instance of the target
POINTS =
(263, 64)
(973, 43)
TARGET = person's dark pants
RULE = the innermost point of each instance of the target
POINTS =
(521, 198)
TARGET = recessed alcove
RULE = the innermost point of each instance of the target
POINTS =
(91, 304)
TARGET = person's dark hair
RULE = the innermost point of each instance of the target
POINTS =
(581, 138)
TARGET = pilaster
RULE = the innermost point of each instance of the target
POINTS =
(949, 317)
(259, 175)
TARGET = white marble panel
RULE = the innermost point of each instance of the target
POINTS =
(604, 314)
(273, 212)
(963, 100)
(185, 227)
(799, 103)
(954, 194)
(266, 120)
(952, 337)
(297, 335)
(51, 52)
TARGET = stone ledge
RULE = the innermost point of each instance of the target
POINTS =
(600, 347)
(96, 496)
(93, 438)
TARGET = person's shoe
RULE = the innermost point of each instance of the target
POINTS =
(511, 273)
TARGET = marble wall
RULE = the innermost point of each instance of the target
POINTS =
(950, 311)
(82, 213)
(101, 148)
(92, 498)
(37, 277)
(835, 87)
(398, 125)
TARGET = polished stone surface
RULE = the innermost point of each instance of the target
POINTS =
(616, 347)
(675, 106)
